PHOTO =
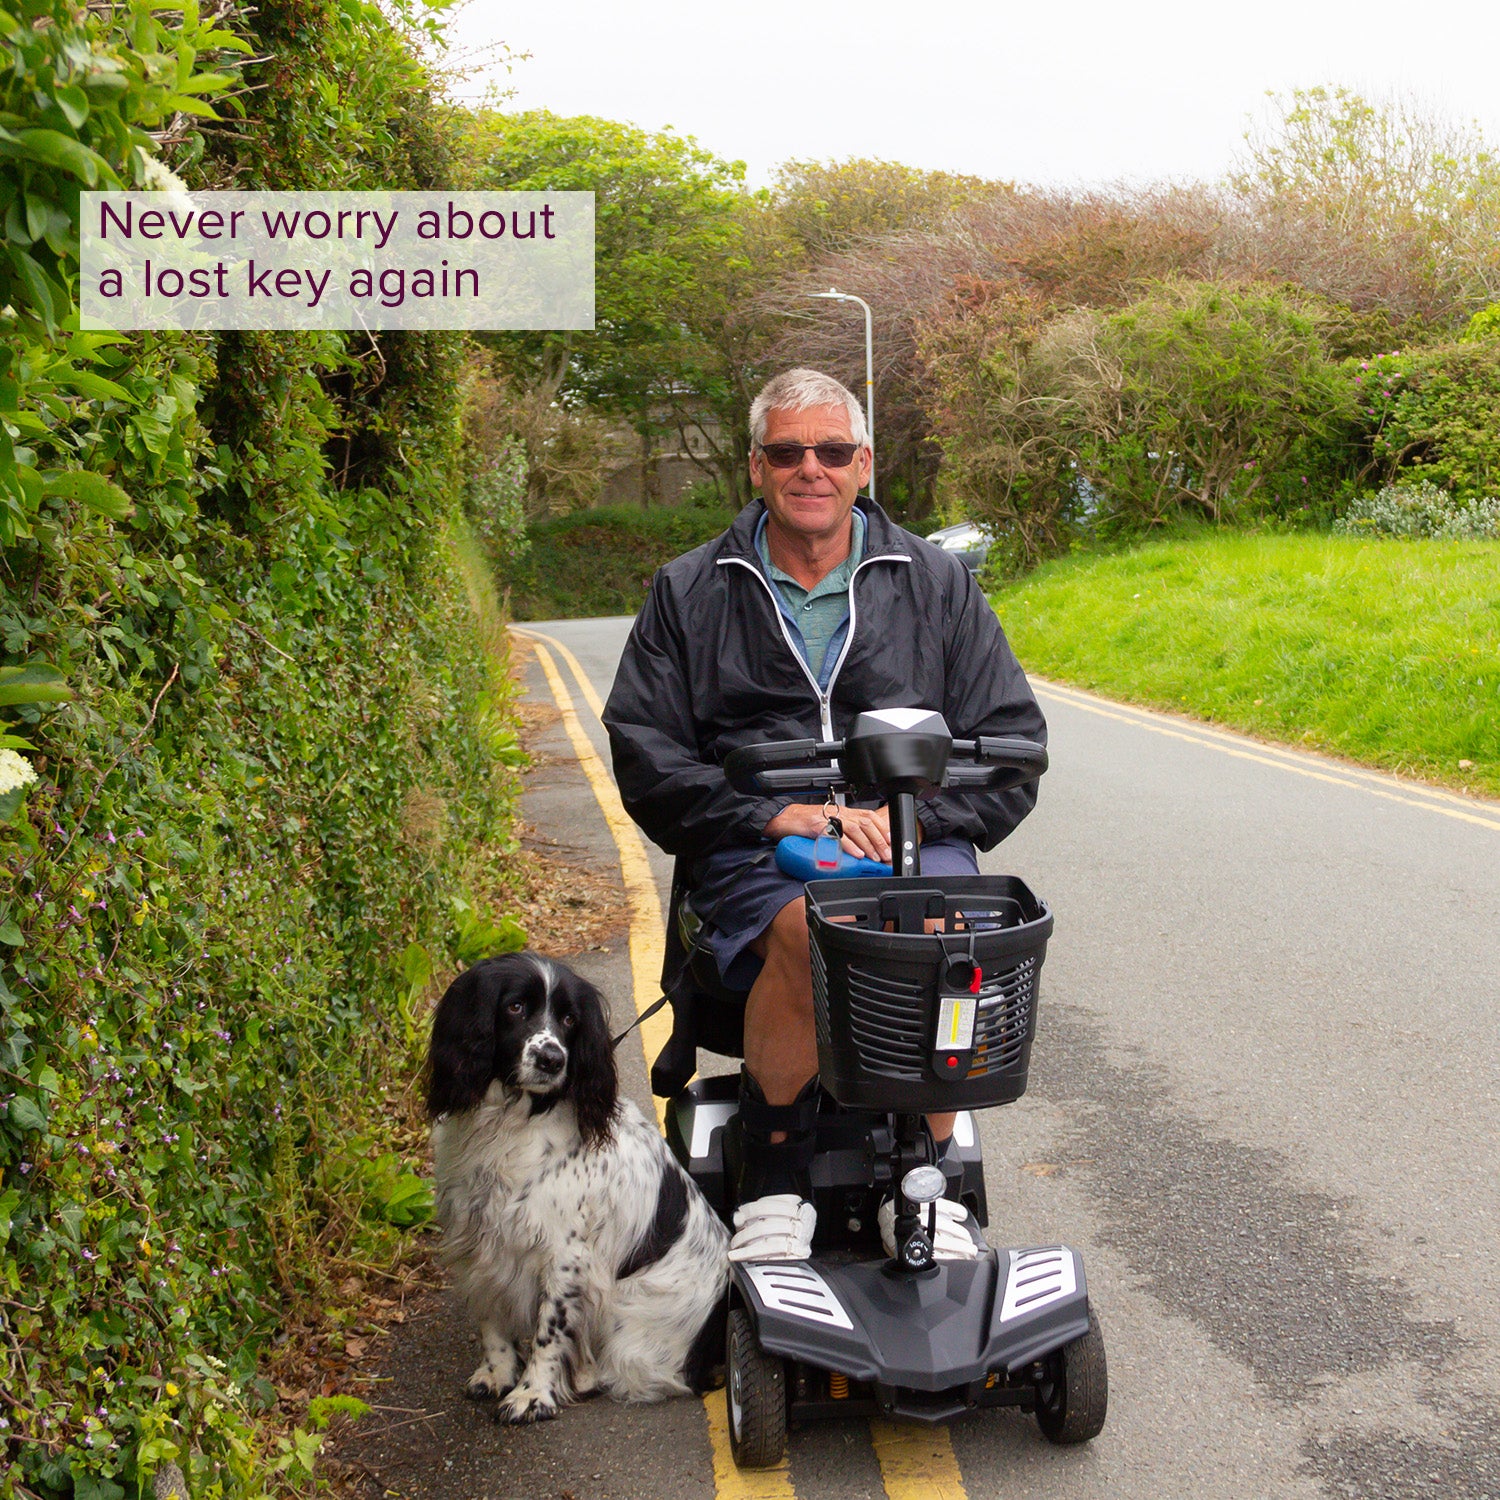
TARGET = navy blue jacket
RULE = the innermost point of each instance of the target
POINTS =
(708, 667)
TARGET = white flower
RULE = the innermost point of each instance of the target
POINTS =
(15, 770)
(160, 179)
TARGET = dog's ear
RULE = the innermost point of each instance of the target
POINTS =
(461, 1057)
(591, 1064)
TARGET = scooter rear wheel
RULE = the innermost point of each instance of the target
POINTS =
(755, 1396)
(1072, 1400)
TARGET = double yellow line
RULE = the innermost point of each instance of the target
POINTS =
(916, 1463)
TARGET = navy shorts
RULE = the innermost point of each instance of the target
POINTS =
(738, 891)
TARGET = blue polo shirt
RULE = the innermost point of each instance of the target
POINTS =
(819, 616)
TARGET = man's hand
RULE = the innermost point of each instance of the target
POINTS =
(867, 830)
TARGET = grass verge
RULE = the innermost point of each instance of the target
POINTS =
(1387, 652)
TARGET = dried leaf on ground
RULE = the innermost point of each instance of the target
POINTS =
(565, 907)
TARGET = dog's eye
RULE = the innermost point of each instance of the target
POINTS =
(516, 1008)
(567, 1022)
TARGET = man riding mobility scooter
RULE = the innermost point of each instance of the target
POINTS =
(925, 996)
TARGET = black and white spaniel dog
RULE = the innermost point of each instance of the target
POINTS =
(567, 1223)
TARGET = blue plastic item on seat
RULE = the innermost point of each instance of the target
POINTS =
(794, 857)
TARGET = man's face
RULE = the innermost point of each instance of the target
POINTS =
(809, 500)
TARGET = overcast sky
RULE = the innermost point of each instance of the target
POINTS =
(1072, 93)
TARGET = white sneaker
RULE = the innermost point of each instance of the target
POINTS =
(778, 1227)
(951, 1239)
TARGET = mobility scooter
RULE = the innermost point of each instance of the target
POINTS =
(925, 995)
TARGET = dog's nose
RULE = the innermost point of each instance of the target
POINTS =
(548, 1056)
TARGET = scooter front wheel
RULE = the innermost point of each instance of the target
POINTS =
(1072, 1399)
(755, 1396)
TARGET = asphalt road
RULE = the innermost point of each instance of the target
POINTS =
(1263, 1105)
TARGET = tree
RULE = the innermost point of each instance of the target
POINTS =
(736, 325)
(1105, 252)
(831, 206)
(1372, 203)
(894, 235)
(668, 218)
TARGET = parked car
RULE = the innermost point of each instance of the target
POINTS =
(970, 542)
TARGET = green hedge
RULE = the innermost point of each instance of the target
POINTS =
(600, 562)
(1434, 413)
(252, 663)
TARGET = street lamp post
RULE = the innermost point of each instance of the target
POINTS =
(834, 295)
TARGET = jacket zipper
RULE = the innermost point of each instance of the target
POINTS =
(825, 699)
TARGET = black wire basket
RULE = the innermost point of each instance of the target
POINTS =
(914, 1021)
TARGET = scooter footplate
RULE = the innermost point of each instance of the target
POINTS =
(956, 1324)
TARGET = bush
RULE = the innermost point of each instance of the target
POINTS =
(495, 500)
(1198, 401)
(703, 494)
(1008, 401)
(1421, 509)
(1221, 400)
(1485, 324)
(252, 758)
(1434, 413)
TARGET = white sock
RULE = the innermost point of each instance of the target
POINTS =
(777, 1227)
(951, 1239)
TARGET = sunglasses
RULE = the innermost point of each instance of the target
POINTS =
(789, 455)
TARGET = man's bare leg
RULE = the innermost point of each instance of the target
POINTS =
(778, 1100)
(781, 1050)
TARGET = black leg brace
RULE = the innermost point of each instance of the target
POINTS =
(783, 1167)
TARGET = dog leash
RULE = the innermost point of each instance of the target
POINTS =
(645, 1015)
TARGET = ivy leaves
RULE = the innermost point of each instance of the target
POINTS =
(32, 682)
(261, 758)
(92, 490)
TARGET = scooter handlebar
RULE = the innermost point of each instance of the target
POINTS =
(995, 763)
(992, 763)
(784, 766)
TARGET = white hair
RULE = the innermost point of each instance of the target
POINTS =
(801, 390)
